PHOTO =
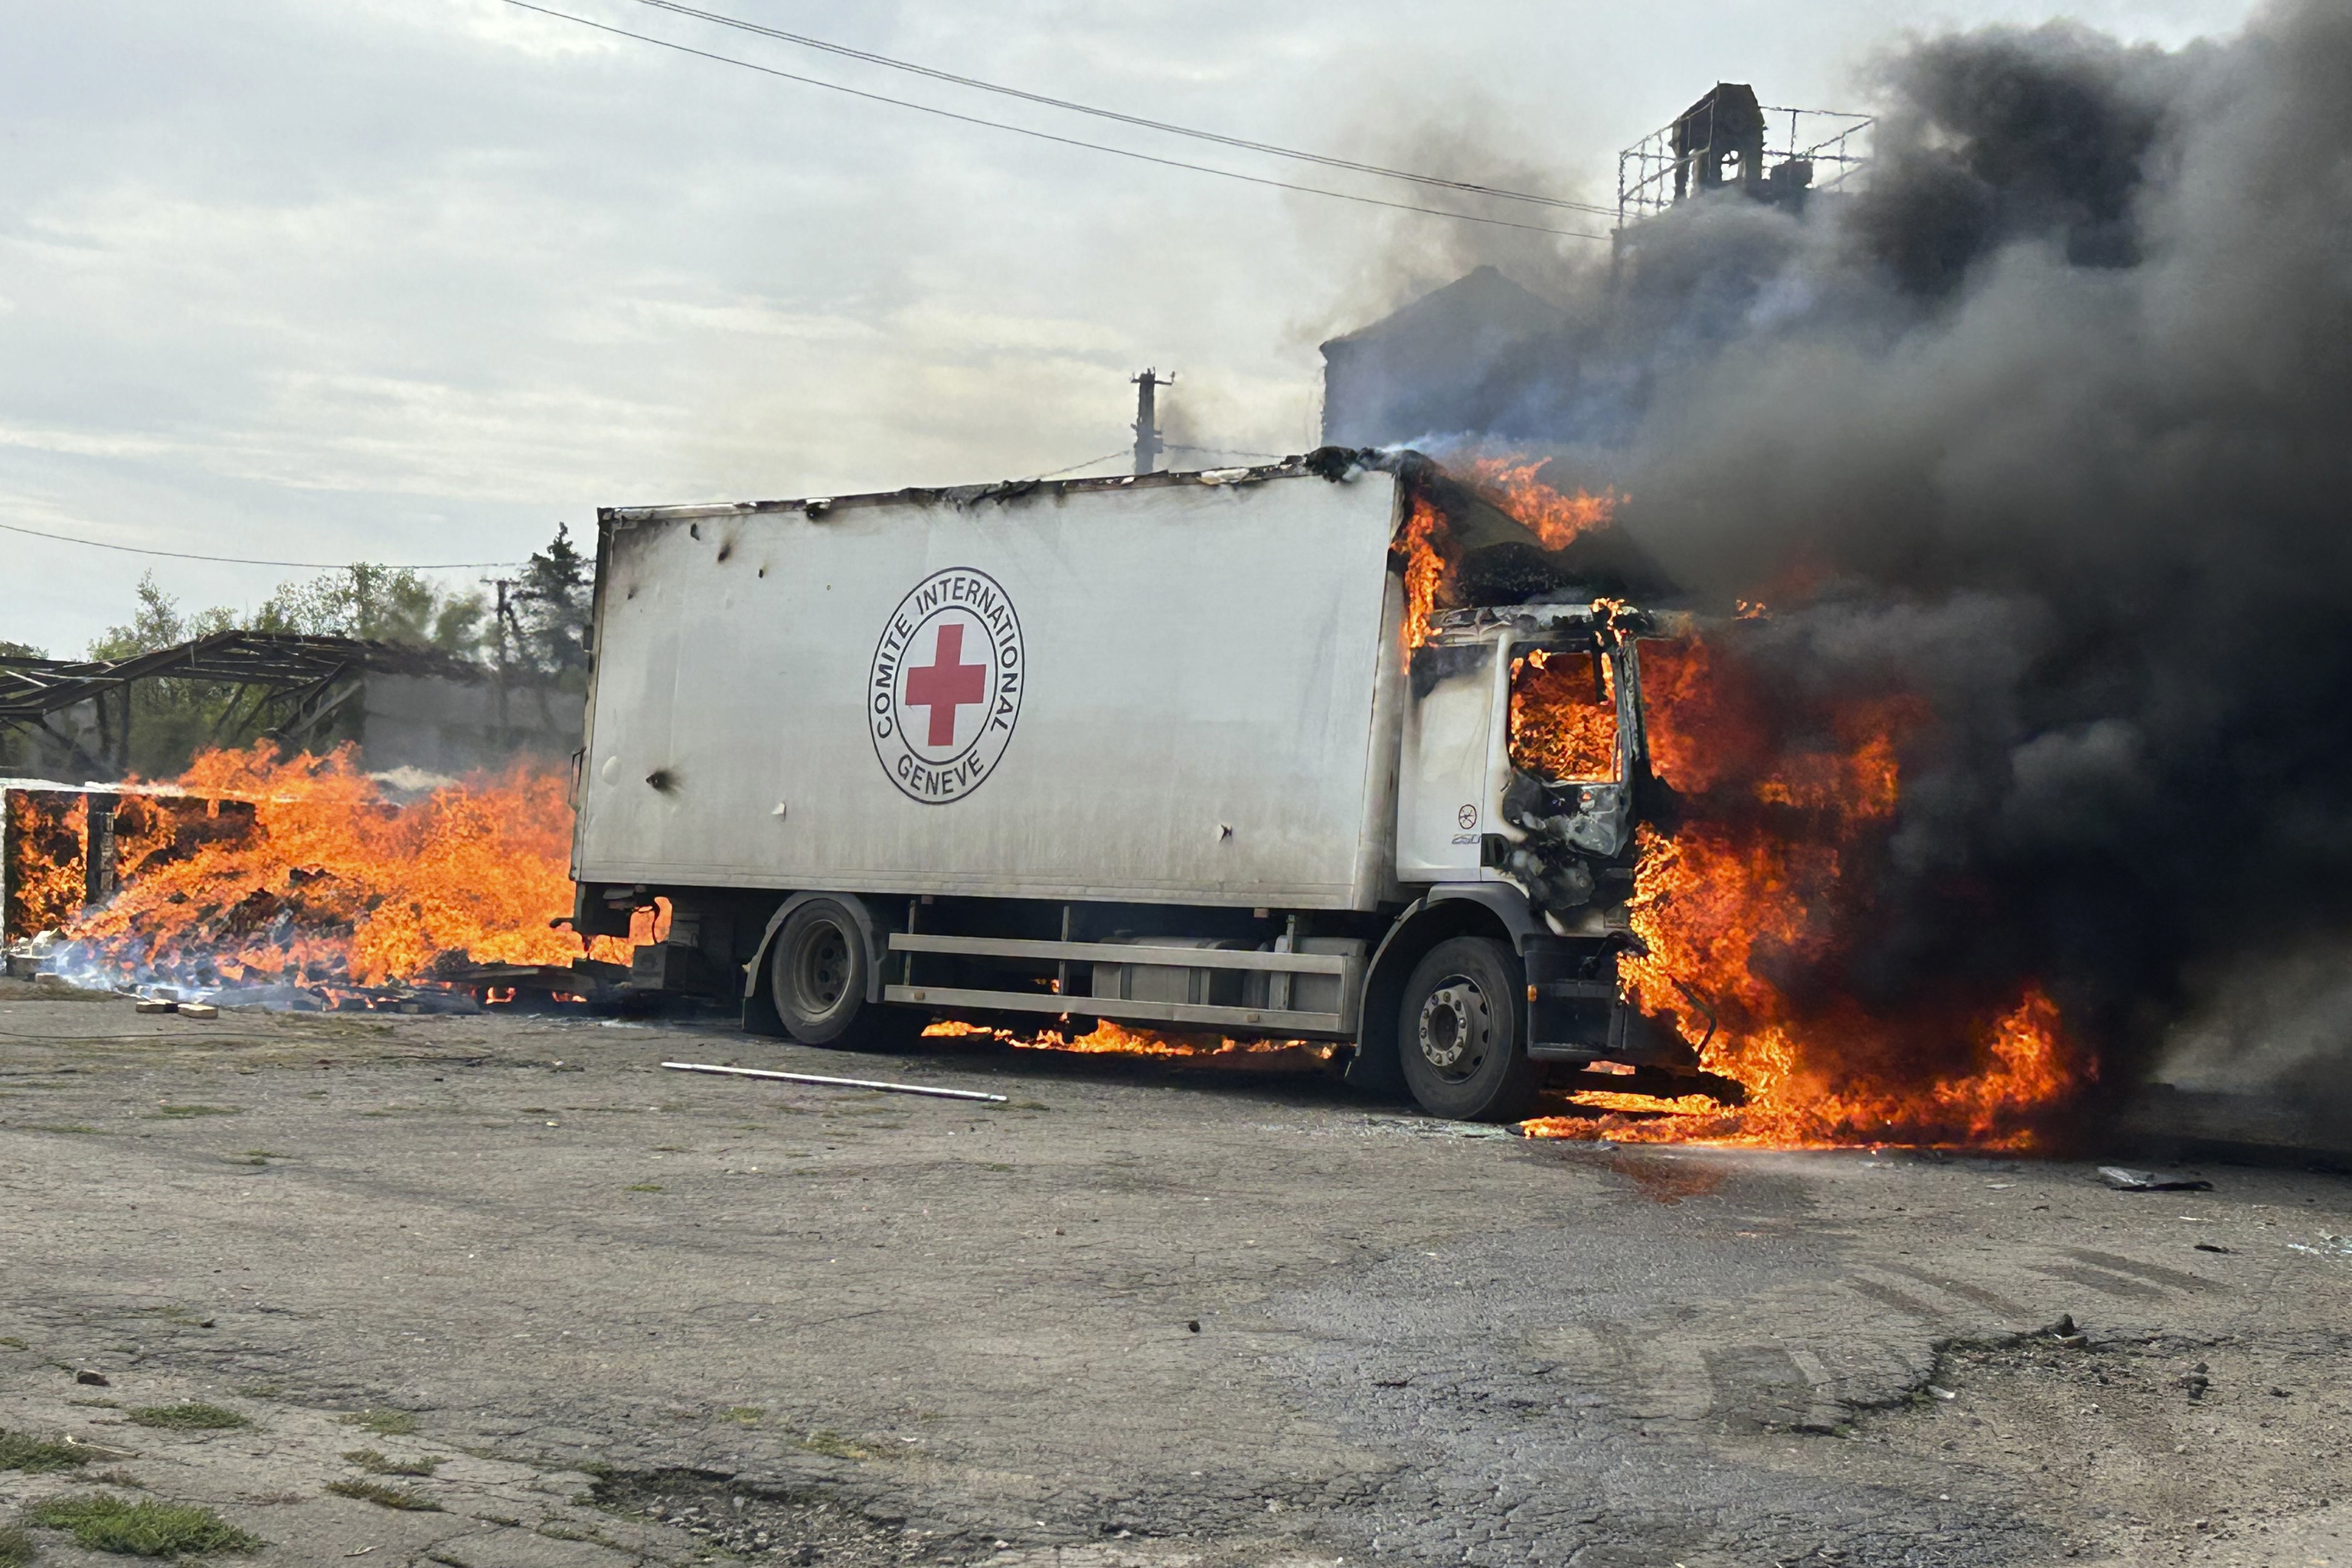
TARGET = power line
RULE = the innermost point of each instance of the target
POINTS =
(1049, 136)
(250, 561)
(1326, 160)
(1227, 451)
(1074, 468)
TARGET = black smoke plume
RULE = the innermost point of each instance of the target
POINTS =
(2051, 425)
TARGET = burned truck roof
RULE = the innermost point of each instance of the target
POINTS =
(1502, 560)
(967, 495)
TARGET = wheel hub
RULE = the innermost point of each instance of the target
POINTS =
(1448, 1023)
(823, 969)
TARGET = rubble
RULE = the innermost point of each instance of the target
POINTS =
(2127, 1180)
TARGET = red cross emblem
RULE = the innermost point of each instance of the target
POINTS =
(946, 684)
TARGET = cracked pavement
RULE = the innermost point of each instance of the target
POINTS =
(1145, 1314)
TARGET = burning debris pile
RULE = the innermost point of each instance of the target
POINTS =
(295, 881)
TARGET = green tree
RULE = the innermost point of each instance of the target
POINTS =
(170, 717)
(550, 613)
(384, 604)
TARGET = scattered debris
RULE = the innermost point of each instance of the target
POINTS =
(94, 1379)
(156, 1005)
(2211, 1246)
(2124, 1181)
(825, 1082)
(1941, 1392)
(198, 1010)
(2194, 1382)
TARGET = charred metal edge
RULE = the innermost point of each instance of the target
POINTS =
(1333, 463)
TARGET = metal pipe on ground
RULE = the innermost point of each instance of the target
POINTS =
(824, 1082)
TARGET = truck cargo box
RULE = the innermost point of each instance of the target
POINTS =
(1169, 689)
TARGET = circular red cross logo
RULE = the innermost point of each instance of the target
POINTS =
(944, 691)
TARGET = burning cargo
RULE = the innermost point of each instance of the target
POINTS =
(1256, 750)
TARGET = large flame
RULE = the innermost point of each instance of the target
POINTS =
(329, 883)
(1554, 517)
(1753, 907)
(1750, 909)
(1564, 717)
(47, 871)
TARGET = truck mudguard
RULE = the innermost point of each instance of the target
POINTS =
(1374, 1067)
(755, 973)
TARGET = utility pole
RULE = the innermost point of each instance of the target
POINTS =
(506, 618)
(1147, 419)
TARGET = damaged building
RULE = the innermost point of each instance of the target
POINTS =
(405, 707)
(1487, 354)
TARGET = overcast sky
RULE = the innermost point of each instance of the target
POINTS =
(412, 281)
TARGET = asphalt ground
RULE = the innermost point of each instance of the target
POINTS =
(1141, 1313)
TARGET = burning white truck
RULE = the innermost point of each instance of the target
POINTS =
(1201, 752)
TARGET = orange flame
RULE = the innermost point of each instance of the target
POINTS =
(1425, 568)
(49, 837)
(1555, 517)
(1109, 1038)
(1563, 721)
(1752, 904)
(331, 883)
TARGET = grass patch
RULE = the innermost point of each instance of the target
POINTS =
(37, 1455)
(13, 1342)
(368, 1459)
(383, 1423)
(743, 1415)
(170, 1314)
(62, 1127)
(383, 1496)
(642, 1187)
(15, 1547)
(265, 1154)
(832, 1445)
(183, 1112)
(109, 1523)
(194, 1415)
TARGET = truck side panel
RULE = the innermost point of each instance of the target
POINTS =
(1196, 721)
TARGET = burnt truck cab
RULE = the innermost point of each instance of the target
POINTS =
(1523, 775)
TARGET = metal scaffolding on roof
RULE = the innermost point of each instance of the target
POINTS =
(1728, 140)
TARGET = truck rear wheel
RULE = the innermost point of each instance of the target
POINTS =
(817, 974)
(1462, 1033)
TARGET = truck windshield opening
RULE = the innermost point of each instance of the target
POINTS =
(1564, 717)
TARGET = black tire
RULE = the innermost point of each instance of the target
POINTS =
(1462, 1033)
(818, 968)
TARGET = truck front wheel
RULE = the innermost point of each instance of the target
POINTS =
(1462, 1033)
(818, 974)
